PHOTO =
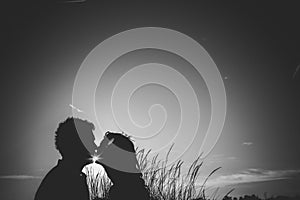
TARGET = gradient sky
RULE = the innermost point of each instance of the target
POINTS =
(256, 46)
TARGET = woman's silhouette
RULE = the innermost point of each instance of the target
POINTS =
(118, 157)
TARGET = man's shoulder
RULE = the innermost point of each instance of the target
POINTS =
(51, 177)
(48, 185)
(54, 173)
(61, 184)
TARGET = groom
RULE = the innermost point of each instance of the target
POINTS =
(65, 180)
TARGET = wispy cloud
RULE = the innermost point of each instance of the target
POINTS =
(19, 177)
(252, 175)
(219, 158)
(247, 143)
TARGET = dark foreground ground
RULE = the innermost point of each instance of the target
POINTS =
(254, 197)
(25, 190)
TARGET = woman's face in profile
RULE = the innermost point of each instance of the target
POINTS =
(102, 148)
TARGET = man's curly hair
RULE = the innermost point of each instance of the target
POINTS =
(67, 139)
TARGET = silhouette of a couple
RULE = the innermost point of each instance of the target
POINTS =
(118, 158)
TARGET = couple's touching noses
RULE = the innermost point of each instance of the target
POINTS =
(74, 140)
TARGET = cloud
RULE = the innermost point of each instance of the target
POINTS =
(219, 158)
(19, 177)
(247, 143)
(252, 175)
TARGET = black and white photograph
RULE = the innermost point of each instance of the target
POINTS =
(150, 100)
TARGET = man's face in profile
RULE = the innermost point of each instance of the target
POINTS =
(82, 149)
(90, 146)
(90, 143)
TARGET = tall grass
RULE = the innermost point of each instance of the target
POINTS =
(165, 182)
(98, 184)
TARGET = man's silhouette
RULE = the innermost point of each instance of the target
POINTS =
(118, 157)
(65, 180)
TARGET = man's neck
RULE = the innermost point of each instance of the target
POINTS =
(71, 165)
